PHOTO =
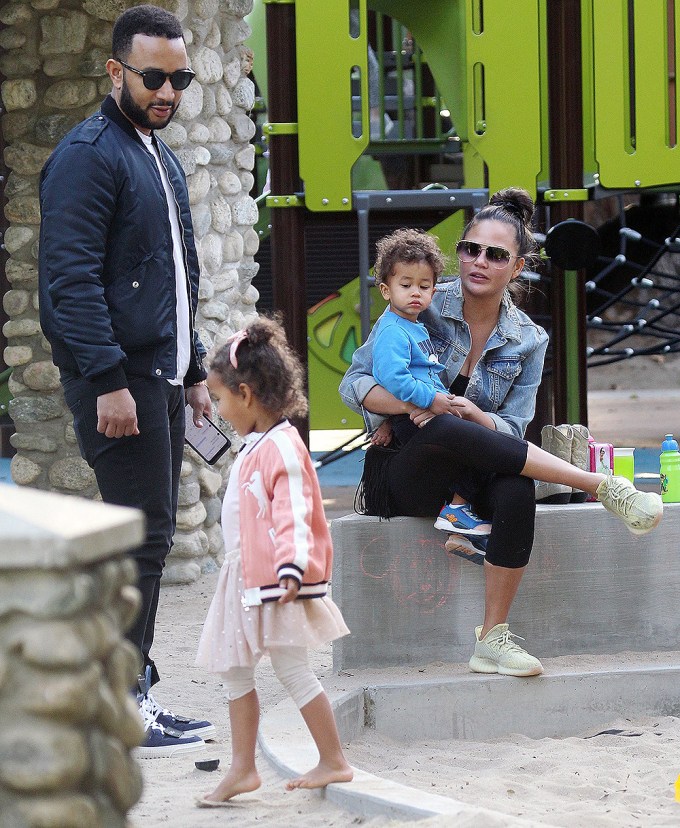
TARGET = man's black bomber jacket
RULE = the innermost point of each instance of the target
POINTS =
(106, 270)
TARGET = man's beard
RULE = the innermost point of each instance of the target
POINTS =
(136, 114)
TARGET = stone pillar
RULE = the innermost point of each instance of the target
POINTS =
(53, 57)
(68, 720)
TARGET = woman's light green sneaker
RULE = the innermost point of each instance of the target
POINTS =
(640, 511)
(498, 653)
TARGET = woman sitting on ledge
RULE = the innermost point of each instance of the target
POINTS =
(493, 361)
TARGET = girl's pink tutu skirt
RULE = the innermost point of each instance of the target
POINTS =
(238, 636)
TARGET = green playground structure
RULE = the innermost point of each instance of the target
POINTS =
(575, 101)
(379, 113)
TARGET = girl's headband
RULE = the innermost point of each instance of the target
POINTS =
(234, 341)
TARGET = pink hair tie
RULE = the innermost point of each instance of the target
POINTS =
(234, 341)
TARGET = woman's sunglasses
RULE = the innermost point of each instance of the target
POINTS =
(469, 251)
(155, 78)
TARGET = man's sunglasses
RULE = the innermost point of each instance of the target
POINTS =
(469, 251)
(155, 78)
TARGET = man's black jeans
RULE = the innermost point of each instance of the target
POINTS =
(142, 472)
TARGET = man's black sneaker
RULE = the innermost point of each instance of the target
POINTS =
(160, 743)
(170, 721)
(154, 713)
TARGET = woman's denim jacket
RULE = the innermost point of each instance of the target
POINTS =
(503, 383)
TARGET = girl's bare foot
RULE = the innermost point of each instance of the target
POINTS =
(322, 775)
(234, 784)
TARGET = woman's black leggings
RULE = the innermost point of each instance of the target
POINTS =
(450, 455)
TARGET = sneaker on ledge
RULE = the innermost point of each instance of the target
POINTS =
(498, 653)
(640, 511)
(153, 712)
(461, 519)
(469, 547)
(160, 743)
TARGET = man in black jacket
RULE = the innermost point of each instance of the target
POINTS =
(118, 295)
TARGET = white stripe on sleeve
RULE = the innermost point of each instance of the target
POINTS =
(291, 462)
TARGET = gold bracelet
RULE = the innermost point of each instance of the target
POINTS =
(202, 382)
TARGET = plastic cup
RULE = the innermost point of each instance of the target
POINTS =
(624, 463)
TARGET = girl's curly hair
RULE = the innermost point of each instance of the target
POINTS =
(268, 365)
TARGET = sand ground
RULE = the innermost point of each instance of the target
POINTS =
(171, 785)
(610, 780)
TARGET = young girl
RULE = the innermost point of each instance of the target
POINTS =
(271, 595)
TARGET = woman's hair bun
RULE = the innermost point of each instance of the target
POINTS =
(515, 201)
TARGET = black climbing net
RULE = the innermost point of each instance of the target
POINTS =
(633, 298)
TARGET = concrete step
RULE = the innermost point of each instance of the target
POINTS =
(576, 696)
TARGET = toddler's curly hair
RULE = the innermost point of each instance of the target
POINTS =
(268, 365)
(407, 245)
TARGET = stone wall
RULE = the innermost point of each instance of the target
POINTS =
(53, 58)
(68, 722)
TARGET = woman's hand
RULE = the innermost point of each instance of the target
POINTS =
(450, 404)
(292, 588)
(421, 416)
(467, 410)
(442, 404)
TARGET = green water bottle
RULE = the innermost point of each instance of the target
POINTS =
(670, 470)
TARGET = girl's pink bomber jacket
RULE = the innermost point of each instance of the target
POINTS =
(283, 527)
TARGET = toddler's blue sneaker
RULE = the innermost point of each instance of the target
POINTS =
(461, 519)
(468, 547)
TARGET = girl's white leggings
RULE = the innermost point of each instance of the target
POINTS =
(292, 670)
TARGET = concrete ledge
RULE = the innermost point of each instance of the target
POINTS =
(565, 701)
(45, 529)
(591, 587)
